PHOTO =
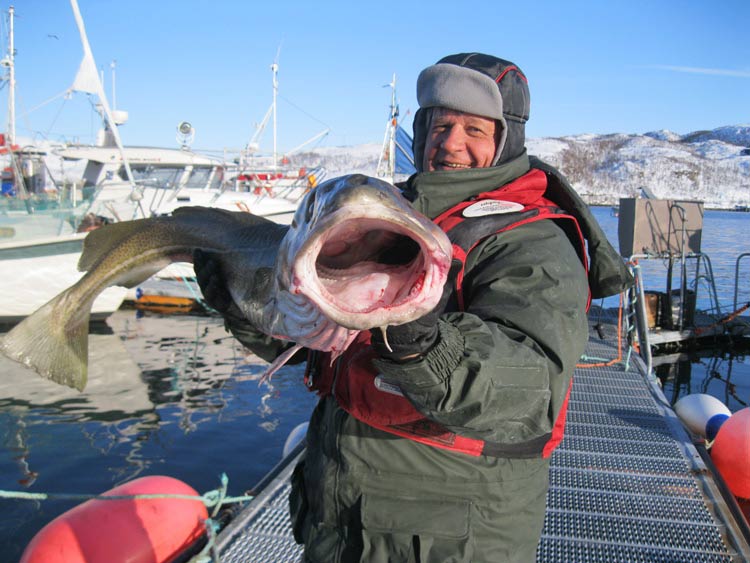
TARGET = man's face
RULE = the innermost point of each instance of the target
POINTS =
(457, 140)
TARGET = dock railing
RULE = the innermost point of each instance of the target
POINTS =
(737, 278)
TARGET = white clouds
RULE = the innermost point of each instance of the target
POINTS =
(706, 71)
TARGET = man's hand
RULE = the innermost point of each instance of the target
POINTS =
(414, 339)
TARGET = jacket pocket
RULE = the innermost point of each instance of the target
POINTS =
(415, 530)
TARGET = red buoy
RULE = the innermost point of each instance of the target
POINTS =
(133, 530)
(731, 453)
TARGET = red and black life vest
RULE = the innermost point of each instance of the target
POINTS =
(355, 383)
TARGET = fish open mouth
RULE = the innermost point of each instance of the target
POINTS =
(375, 268)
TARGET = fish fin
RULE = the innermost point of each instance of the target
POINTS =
(241, 218)
(102, 241)
(384, 330)
(56, 351)
(137, 276)
(278, 363)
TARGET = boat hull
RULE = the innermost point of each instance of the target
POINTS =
(33, 272)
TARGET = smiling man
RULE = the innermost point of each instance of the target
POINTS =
(433, 444)
(459, 140)
(454, 465)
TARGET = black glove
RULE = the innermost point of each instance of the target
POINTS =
(211, 280)
(414, 339)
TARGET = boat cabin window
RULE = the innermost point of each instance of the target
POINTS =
(217, 179)
(154, 176)
(199, 177)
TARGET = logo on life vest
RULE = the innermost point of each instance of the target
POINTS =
(491, 207)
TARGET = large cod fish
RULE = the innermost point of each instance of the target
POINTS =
(356, 257)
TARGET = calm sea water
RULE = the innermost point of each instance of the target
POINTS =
(175, 395)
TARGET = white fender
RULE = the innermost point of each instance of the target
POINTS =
(702, 414)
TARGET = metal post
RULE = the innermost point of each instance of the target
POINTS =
(274, 70)
(737, 277)
(683, 267)
(11, 81)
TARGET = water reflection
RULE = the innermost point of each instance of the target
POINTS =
(721, 373)
(166, 395)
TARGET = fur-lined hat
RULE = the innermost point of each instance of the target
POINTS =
(481, 85)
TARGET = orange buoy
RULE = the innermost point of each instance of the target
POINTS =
(133, 530)
(731, 453)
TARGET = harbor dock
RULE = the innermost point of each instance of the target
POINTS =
(627, 483)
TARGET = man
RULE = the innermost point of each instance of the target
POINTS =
(453, 465)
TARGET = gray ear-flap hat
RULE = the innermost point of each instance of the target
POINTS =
(478, 84)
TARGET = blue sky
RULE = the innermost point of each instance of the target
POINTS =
(593, 66)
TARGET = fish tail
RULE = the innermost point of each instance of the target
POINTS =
(56, 348)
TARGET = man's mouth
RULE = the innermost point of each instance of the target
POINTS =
(454, 165)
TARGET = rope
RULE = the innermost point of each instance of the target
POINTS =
(208, 554)
(730, 317)
(603, 362)
(212, 499)
(197, 297)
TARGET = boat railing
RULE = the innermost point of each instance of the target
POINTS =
(679, 305)
(737, 278)
(636, 317)
(708, 277)
(304, 183)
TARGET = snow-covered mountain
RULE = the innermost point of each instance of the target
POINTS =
(711, 166)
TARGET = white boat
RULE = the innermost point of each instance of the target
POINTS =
(117, 182)
(35, 267)
(41, 234)
(159, 180)
(168, 178)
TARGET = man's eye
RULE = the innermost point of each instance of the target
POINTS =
(478, 131)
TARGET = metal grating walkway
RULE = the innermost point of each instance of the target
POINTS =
(626, 485)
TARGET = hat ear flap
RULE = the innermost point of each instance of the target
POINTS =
(421, 126)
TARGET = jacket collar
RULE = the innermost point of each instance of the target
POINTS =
(432, 193)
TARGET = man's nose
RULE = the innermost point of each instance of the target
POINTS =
(454, 139)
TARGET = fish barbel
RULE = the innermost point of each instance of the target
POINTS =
(356, 256)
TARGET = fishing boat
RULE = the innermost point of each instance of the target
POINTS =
(270, 186)
(275, 177)
(42, 229)
(116, 182)
(160, 179)
(167, 178)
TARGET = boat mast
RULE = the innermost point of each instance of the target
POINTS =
(11, 82)
(387, 162)
(274, 70)
(394, 125)
(112, 66)
(10, 141)
(88, 80)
